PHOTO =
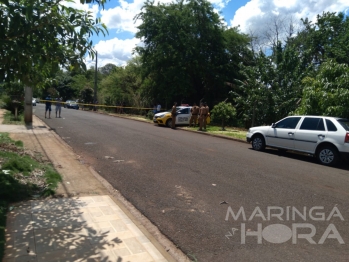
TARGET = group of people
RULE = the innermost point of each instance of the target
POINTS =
(156, 108)
(198, 113)
(48, 103)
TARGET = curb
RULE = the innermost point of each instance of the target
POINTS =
(180, 128)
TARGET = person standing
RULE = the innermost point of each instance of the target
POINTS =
(194, 115)
(59, 107)
(48, 106)
(207, 110)
(158, 108)
(173, 114)
(201, 116)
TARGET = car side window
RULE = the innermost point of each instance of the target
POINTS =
(290, 122)
(184, 111)
(330, 126)
(313, 123)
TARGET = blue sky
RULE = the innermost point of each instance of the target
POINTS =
(253, 16)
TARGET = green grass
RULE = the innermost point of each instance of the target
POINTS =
(3, 211)
(237, 133)
(5, 139)
(23, 179)
(9, 119)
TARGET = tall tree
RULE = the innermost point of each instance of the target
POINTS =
(36, 37)
(328, 92)
(326, 38)
(183, 51)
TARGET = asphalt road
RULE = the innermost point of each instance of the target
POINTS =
(179, 180)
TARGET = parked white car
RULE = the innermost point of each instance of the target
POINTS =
(327, 138)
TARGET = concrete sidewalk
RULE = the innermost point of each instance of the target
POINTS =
(86, 223)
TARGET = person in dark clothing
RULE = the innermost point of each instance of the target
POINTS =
(48, 106)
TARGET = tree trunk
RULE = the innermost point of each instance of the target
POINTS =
(28, 105)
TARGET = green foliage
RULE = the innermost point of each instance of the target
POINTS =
(3, 210)
(183, 51)
(150, 114)
(328, 92)
(9, 105)
(41, 35)
(253, 96)
(124, 85)
(326, 38)
(223, 112)
(12, 189)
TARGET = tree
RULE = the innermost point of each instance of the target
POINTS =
(327, 38)
(328, 92)
(107, 69)
(36, 37)
(223, 112)
(183, 52)
(63, 84)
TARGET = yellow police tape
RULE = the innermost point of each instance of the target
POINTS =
(98, 105)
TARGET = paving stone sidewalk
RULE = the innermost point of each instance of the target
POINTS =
(90, 226)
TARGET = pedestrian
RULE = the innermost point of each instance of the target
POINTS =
(207, 111)
(59, 107)
(48, 105)
(174, 114)
(194, 115)
(201, 116)
(158, 108)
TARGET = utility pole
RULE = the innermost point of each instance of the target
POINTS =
(95, 89)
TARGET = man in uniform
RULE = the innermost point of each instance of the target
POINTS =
(194, 115)
(207, 110)
(173, 114)
(201, 116)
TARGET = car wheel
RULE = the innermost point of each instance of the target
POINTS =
(258, 143)
(328, 155)
(169, 122)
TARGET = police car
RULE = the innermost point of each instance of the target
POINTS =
(182, 118)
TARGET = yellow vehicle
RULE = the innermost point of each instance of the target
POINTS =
(182, 118)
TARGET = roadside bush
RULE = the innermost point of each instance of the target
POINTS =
(8, 105)
(150, 114)
(223, 112)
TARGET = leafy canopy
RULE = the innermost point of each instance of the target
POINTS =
(38, 36)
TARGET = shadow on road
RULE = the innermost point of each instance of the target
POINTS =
(343, 165)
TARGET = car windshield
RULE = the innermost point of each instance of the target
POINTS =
(344, 123)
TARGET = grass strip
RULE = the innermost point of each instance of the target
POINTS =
(9, 119)
(23, 176)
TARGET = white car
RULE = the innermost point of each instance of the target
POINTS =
(327, 138)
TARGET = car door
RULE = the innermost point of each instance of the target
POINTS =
(281, 134)
(183, 116)
(310, 133)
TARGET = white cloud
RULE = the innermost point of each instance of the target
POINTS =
(93, 8)
(122, 16)
(115, 51)
(121, 19)
(253, 16)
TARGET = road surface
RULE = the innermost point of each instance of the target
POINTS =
(192, 188)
